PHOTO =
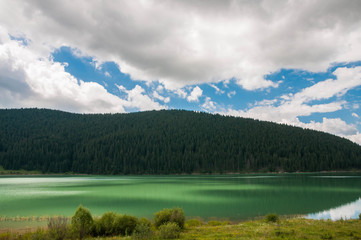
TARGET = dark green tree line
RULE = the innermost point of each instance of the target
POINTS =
(164, 142)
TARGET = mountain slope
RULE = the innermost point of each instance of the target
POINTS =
(163, 142)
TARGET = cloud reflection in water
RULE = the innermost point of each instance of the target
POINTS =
(347, 211)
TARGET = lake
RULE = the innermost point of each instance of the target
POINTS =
(233, 197)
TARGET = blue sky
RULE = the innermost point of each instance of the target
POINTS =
(293, 62)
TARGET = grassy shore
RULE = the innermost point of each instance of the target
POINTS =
(297, 228)
(294, 228)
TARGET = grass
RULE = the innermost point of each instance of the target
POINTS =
(297, 228)
(294, 228)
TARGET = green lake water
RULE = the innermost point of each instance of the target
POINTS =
(233, 197)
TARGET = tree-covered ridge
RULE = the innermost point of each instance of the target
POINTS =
(164, 142)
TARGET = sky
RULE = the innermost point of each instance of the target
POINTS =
(295, 62)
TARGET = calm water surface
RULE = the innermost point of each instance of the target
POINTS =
(233, 197)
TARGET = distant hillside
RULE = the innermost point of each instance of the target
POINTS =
(164, 142)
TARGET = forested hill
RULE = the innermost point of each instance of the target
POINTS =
(164, 142)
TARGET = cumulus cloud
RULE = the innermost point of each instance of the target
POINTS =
(288, 108)
(29, 80)
(184, 43)
(195, 94)
(209, 105)
(159, 97)
(347, 78)
(355, 115)
(181, 93)
(335, 126)
(355, 138)
(138, 99)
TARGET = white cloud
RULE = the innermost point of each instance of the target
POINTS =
(355, 138)
(347, 78)
(289, 107)
(184, 43)
(209, 105)
(181, 93)
(355, 115)
(28, 79)
(335, 126)
(231, 93)
(159, 97)
(136, 99)
(195, 94)
(218, 91)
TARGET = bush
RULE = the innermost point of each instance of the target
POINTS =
(143, 230)
(105, 225)
(58, 228)
(175, 215)
(169, 230)
(111, 224)
(218, 223)
(272, 218)
(39, 234)
(193, 223)
(359, 216)
(125, 225)
(82, 222)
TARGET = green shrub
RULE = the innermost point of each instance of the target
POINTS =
(217, 223)
(39, 234)
(193, 223)
(58, 228)
(272, 218)
(125, 225)
(8, 236)
(214, 223)
(175, 215)
(105, 225)
(169, 230)
(145, 221)
(359, 216)
(82, 222)
(143, 230)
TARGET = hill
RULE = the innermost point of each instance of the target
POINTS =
(164, 142)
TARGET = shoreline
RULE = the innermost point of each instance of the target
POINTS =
(284, 228)
(19, 173)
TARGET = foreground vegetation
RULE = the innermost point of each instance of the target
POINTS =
(171, 224)
(164, 142)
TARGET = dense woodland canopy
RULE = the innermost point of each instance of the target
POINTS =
(164, 142)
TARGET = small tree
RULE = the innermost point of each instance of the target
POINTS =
(169, 230)
(105, 225)
(125, 225)
(272, 218)
(175, 215)
(58, 228)
(82, 222)
(143, 230)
